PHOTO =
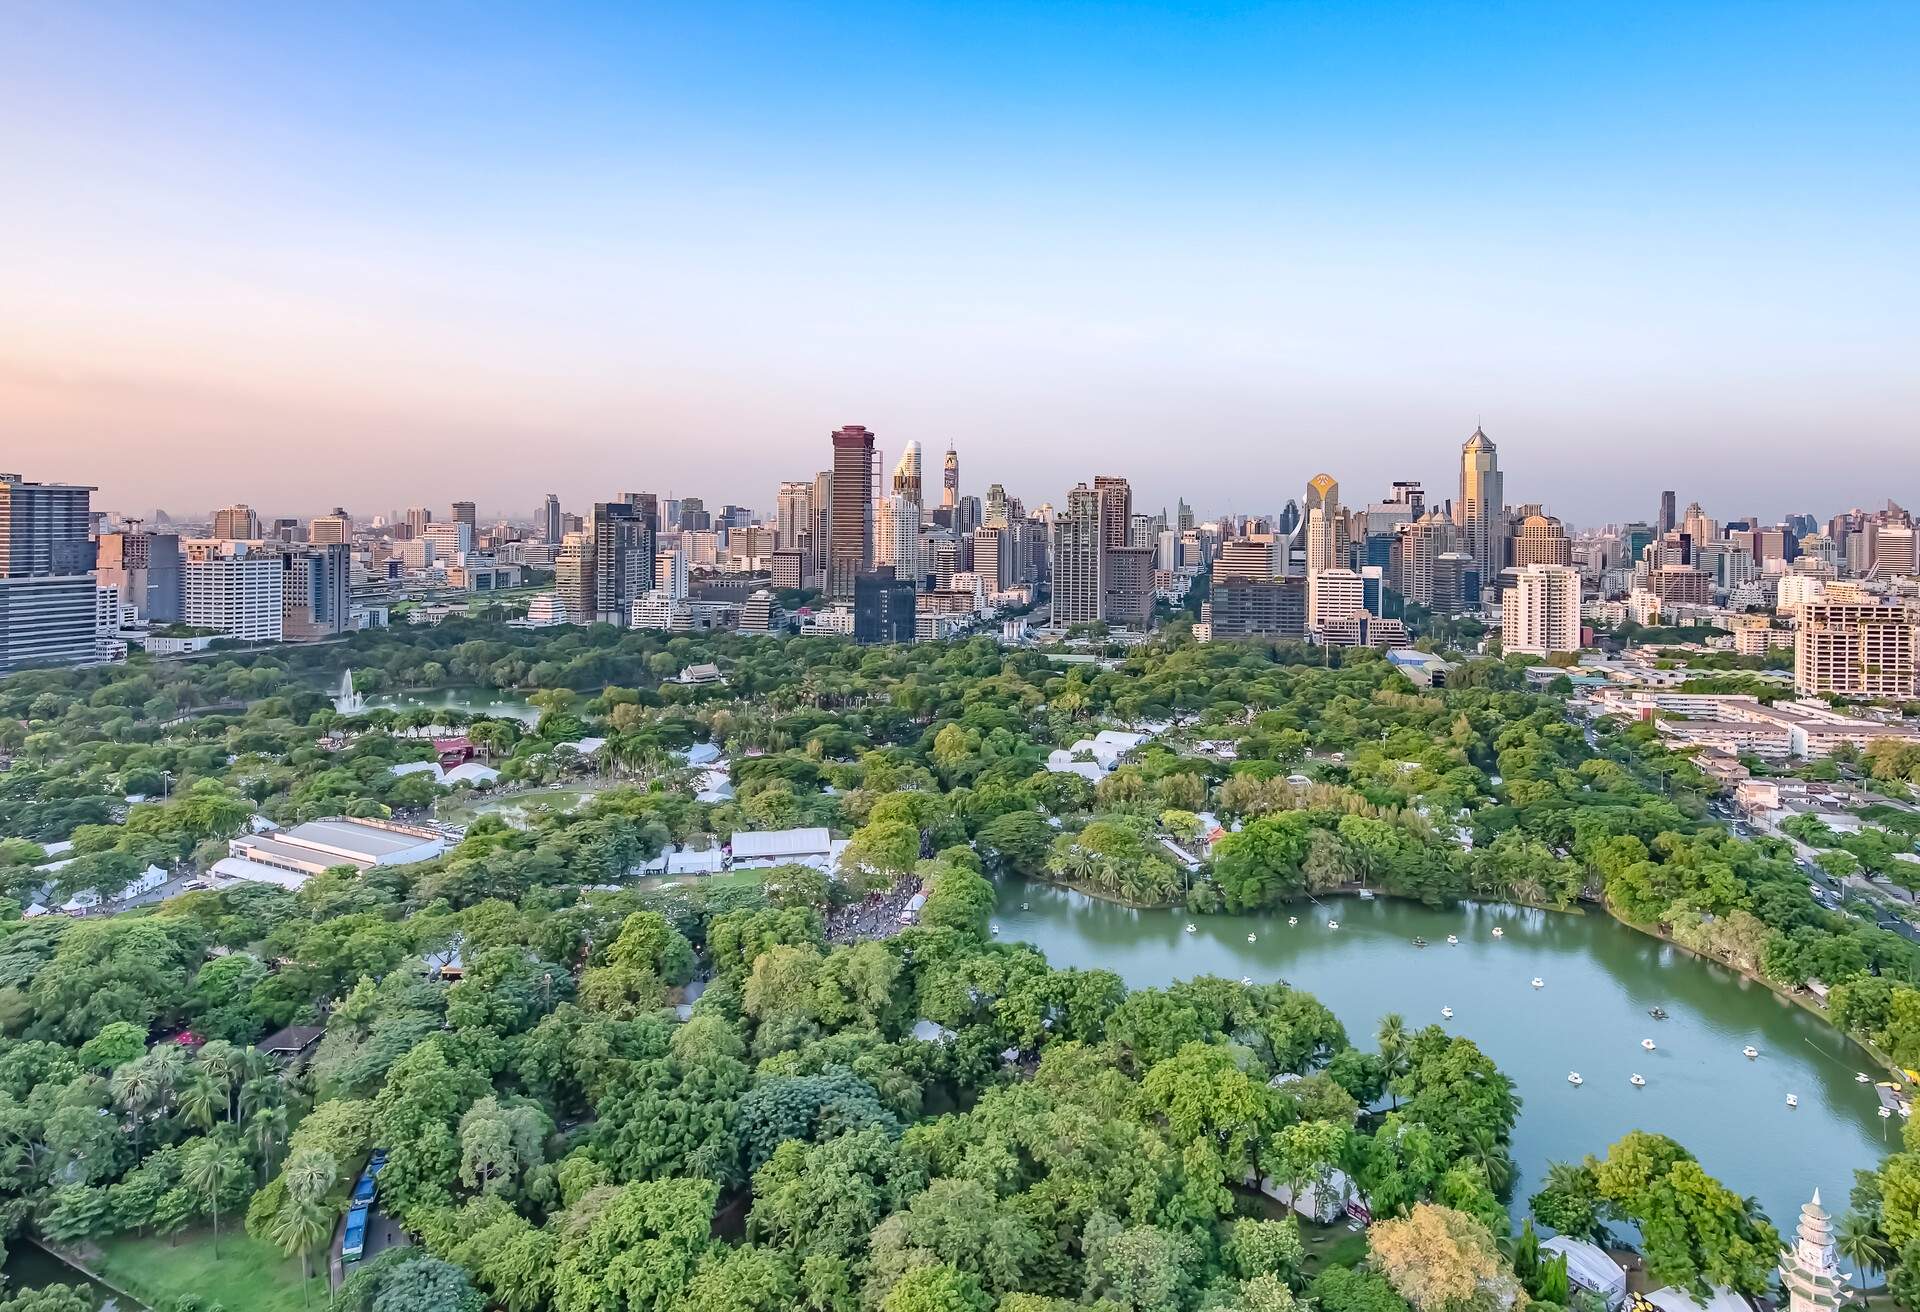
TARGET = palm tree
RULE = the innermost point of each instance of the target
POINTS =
(221, 1062)
(200, 1100)
(310, 1174)
(209, 1167)
(1483, 1148)
(266, 1132)
(1392, 1038)
(300, 1227)
(1859, 1241)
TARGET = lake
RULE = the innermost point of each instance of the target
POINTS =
(29, 1266)
(1600, 979)
(472, 701)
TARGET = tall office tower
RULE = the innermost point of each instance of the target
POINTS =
(239, 522)
(325, 530)
(648, 504)
(883, 607)
(694, 516)
(623, 556)
(145, 567)
(996, 513)
(418, 517)
(1540, 613)
(896, 537)
(44, 528)
(450, 538)
(1250, 557)
(670, 573)
(462, 512)
(1184, 516)
(282, 530)
(906, 474)
(1542, 540)
(950, 480)
(793, 515)
(1668, 519)
(550, 530)
(1334, 594)
(1325, 538)
(49, 601)
(1893, 550)
(822, 529)
(1140, 531)
(1697, 526)
(1479, 513)
(1408, 492)
(573, 578)
(1856, 650)
(1076, 559)
(1417, 553)
(235, 587)
(1242, 607)
(992, 547)
(850, 544)
(1115, 496)
(315, 587)
(966, 515)
(1128, 587)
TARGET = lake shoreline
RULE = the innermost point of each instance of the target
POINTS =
(1799, 998)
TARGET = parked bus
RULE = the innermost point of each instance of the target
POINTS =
(355, 1242)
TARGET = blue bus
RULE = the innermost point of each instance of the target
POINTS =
(355, 1242)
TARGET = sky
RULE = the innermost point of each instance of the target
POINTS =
(379, 255)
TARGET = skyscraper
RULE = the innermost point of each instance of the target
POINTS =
(462, 512)
(238, 522)
(1667, 521)
(822, 529)
(1325, 539)
(897, 531)
(418, 517)
(850, 549)
(326, 530)
(48, 598)
(623, 559)
(1480, 512)
(550, 520)
(950, 480)
(906, 474)
(1540, 614)
(1076, 559)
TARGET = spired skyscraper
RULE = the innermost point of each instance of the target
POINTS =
(850, 550)
(1480, 513)
(950, 481)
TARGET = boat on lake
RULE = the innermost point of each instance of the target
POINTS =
(1537, 982)
(1647, 1044)
(1573, 1077)
(1637, 1080)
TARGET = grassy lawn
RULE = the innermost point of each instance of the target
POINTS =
(249, 1276)
(731, 879)
(1331, 1245)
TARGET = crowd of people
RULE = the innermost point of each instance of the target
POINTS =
(876, 916)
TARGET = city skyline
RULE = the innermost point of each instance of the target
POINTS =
(1205, 246)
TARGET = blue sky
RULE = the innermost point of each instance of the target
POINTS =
(380, 255)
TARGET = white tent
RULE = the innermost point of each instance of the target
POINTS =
(1672, 1299)
(1589, 1268)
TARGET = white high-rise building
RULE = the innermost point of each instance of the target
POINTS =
(451, 539)
(237, 588)
(1540, 614)
(670, 574)
(1338, 594)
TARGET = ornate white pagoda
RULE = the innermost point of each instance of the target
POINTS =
(1809, 1272)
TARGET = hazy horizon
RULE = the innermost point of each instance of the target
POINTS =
(377, 257)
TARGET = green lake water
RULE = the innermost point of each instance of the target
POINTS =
(1600, 979)
(473, 701)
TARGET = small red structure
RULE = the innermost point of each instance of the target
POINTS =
(453, 751)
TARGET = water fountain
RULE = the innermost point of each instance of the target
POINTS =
(347, 701)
